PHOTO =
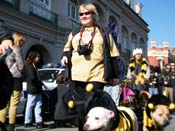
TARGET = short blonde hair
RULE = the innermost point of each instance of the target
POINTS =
(91, 8)
(19, 39)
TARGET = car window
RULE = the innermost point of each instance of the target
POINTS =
(48, 75)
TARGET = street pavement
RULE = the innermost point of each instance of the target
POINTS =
(171, 126)
(20, 127)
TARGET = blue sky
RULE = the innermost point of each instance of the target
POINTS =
(160, 16)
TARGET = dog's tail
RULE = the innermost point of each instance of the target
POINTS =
(128, 120)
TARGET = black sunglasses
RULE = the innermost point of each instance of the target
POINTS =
(85, 13)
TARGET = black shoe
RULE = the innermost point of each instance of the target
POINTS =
(27, 125)
(41, 125)
(11, 127)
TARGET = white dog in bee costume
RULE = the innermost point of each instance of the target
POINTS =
(100, 119)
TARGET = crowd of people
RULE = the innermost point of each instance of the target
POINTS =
(93, 63)
(14, 69)
(163, 82)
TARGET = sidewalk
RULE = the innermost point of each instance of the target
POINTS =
(21, 128)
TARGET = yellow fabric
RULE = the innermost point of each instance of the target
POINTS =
(139, 77)
(90, 67)
(14, 100)
(147, 121)
(124, 124)
(132, 65)
(144, 66)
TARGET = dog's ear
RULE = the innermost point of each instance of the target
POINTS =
(112, 114)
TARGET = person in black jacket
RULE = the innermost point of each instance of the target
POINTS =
(166, 80)
(6, 79)
(34, 89)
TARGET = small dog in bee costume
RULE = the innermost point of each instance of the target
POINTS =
(101, 114)
(156, 114)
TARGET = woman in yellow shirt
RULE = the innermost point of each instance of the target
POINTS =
(89, 52)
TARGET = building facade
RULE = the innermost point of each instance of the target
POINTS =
(47, 23)
(158, 55)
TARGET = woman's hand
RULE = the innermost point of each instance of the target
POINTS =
(4, 46)
(64, 61)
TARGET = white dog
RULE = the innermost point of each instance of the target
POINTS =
(100, 119)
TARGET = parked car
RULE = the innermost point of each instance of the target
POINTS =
(48, 77)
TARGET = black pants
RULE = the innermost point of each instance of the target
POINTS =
(6, 85)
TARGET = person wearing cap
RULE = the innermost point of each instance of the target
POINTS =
(138, 71)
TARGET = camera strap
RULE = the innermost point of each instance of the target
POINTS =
(81, 34)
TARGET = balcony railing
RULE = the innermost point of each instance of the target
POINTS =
(39, 11)
(11, 3)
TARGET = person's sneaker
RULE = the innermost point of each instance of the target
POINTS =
(11, 127)
(41, 125)
(27, 125)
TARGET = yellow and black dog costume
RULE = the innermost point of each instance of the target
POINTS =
(124, 120)
(154, 102)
